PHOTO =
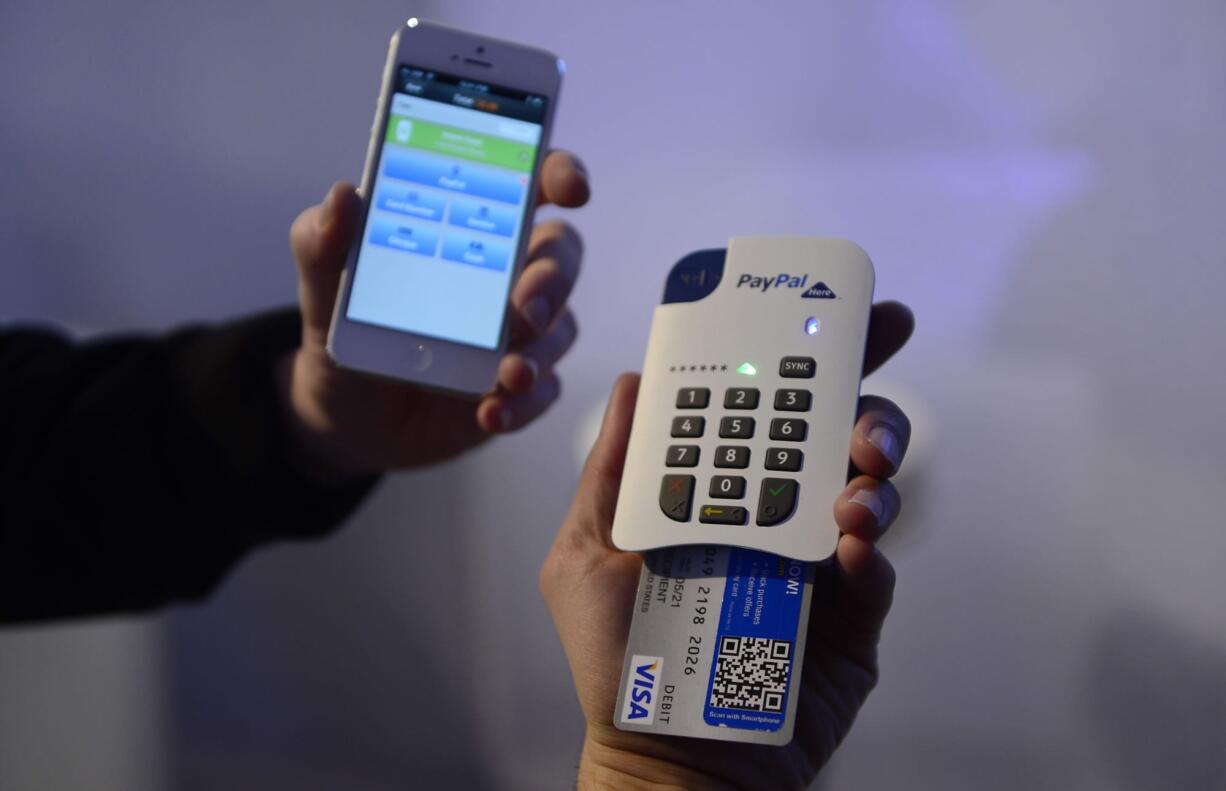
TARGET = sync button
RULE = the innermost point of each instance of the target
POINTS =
(797, 367)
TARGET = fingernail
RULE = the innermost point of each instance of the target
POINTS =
(536, 312)
(504, 418)
(870, 499)
(883, 438)
(324, 217)
(581, 167)
(533, 367)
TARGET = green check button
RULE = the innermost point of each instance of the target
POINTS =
(777, 500)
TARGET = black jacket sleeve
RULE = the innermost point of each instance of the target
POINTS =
(136, 472)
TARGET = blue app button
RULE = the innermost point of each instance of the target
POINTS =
(470, 250)
(406, 200)
(408, 238)
(481, 217)
(454, 176)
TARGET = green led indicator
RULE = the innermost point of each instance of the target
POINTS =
(747, 369)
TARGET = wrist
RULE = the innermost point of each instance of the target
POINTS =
(318, 456)
(603, 766)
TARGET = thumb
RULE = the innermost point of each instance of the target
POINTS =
(591, 516)
(320, 238)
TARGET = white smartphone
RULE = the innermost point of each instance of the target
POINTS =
(448, 191)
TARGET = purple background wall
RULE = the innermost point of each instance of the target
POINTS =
(1044, 184)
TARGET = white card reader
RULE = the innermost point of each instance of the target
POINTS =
(748, 397)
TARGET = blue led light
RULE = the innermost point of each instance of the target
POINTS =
(812, 325)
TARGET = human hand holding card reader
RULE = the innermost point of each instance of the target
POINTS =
(737, 453)
(450, 181)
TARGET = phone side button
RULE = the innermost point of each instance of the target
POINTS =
(420, 358)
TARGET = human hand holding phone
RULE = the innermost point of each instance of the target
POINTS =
(351, 423)
(590, 587)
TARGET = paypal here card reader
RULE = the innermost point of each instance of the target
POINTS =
(748, 397)
(738, 450)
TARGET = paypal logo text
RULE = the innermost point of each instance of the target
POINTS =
(766, 283)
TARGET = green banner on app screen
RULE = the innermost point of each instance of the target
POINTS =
(454, 142)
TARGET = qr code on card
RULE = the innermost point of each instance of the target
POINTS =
(751, 673)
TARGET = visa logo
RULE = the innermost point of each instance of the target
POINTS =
(640, 704)
(764, 284)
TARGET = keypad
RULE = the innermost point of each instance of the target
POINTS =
(736, 427)
(776, 497)
(688, 426)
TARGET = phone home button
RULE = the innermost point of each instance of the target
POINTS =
(420, 358)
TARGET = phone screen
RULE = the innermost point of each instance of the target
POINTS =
(448, 203)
